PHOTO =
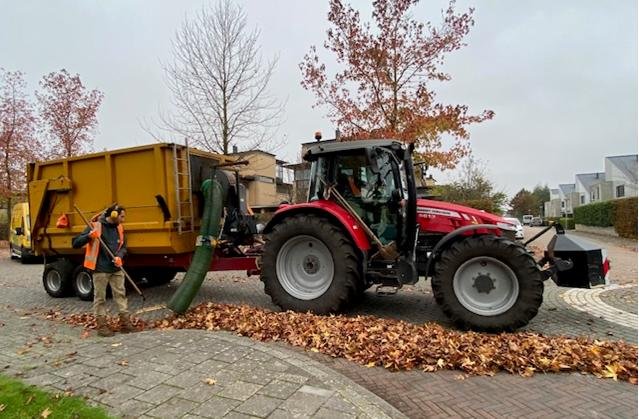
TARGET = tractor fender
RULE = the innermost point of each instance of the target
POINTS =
(328, 209)
(450, 237)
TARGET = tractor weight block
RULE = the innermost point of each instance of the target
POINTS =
(587, 261)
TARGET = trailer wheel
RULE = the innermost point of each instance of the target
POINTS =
(488, 283)
(83, 283)
(56, 278)
(308, 264)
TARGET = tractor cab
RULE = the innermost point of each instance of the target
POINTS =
(373, 180)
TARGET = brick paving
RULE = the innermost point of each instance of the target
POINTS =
(622, 298)
(414, 393)
(166, 374)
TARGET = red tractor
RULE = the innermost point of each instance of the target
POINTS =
(363, 225)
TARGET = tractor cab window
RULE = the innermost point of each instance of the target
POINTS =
(368, 187)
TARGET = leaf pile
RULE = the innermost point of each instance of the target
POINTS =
(398, 345)
(88, 321)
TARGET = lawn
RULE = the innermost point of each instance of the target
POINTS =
(18, 400)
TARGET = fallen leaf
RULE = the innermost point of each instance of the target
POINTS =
(29, 400)
(371, 364)
(210, 381)
(115, 345)
(85, 334)
(45, 413)
(2, 407)
(123, 363)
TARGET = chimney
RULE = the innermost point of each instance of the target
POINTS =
(337, 135)
(234, 149)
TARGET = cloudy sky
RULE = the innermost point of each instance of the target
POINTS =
(560, 75)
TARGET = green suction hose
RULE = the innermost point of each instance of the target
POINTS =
(214, 199)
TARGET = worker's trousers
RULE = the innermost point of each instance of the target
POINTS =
(100, 281)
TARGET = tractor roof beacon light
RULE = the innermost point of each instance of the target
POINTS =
(318, 135)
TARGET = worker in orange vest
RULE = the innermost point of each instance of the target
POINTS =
(106, 270)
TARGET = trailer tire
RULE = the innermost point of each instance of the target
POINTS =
(470, 270)
(83, 283)
(322, 280)
(56, 278)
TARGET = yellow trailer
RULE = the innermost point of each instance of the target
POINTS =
(158, 184)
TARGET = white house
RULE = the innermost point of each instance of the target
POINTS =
(569, 198)
(583, 184)
(621, 172)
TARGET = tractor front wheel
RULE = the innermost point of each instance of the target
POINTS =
(309, 264)
(488, 283)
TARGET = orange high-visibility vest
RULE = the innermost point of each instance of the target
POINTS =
(93, 246)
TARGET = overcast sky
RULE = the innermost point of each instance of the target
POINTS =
(560, 75)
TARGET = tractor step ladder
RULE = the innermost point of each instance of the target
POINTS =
(183, 191)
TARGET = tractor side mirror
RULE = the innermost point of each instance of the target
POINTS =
(19, 231)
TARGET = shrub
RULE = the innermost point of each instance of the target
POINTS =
(600, 214)
(626, 217)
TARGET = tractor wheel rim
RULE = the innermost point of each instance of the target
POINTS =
(84, 282)
(54, 281)
(305, 267)
(486, 286)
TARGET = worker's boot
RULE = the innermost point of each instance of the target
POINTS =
(103, 327)
(125, 323)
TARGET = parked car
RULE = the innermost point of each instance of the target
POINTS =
(519, 233)
(527, 219)
(536, 222)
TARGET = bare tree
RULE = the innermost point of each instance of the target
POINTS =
(18, 143)
(219, 83)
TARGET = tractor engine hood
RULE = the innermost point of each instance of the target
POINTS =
(459, 214)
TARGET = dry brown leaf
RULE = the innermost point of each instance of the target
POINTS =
(210, 381)
(123, 363)
(399, 345)
(115, 345)
(45, 413)
(2, 407)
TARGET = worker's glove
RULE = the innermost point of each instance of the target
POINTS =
(94, 234)
(117, 261)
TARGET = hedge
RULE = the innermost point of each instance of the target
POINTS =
(600, 214)
(626, 217)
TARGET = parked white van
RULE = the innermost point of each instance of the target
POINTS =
(527, 219)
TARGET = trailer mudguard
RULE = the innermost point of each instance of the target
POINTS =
(214, 202)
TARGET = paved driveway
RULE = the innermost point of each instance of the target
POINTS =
(417, 394)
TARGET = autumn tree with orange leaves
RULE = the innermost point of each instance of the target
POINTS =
(18, 142)
(69, 112)
(387, 67)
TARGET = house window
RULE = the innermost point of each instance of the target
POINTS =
(620, 191)
(280, 172)
(563, 204)
(582, 199)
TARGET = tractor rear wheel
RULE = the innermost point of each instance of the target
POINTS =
(309, 264)
(488, 283)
